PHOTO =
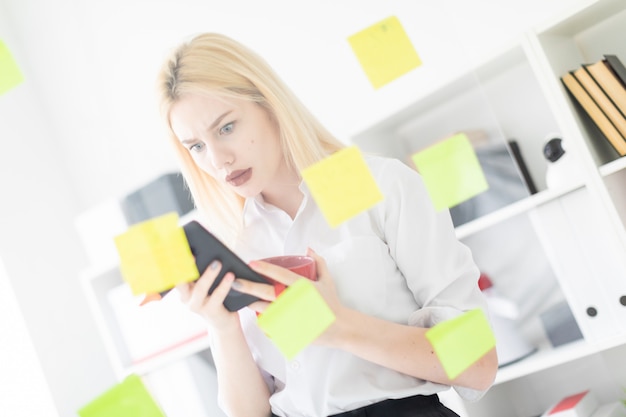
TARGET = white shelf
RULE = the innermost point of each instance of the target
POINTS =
(173, 355)
(613, 167)
(97, 282)
(581, 16)
(549, 357)
(512, 210)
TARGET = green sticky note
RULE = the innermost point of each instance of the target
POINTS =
(10, 74)
(342, 185)
(384, 51)
(130, 398)
(462, 341)
(296, 318)
(451, 171)
(155, 255)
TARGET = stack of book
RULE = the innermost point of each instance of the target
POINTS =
(600, 90)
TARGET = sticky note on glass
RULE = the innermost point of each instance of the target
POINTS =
(155, 255)
(296, 318)
(462, 341)
(10, 74)
(384, 51)
(451, 171)
(342, 185)
(130, 398)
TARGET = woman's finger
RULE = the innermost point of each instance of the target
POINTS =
(320, 264)
(275, 272)
(259, 306)
(221, 291)
(202, 285)
(184, 290)
(257, 289)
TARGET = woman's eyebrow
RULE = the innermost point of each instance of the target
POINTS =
(211, 127)
(219, 119)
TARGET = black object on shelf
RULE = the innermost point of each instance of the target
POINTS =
(560, 325)
(521, 164)
(506, 185)
(165, 194)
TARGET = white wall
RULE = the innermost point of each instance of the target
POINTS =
(23, 388)
(39, 247)
(83, 128)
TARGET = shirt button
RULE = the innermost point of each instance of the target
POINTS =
(295, 366)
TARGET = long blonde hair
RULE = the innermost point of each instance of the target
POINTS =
(217, 65)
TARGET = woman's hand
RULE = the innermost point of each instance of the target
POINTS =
(324, 284)
(210, 307)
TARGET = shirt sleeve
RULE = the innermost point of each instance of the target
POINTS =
(245, 320)
(247, 317)
(438, 268)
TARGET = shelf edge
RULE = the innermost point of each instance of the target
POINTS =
(512, 210)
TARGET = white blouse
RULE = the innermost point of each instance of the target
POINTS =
(399, 261)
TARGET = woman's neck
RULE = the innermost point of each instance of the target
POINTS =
(285, 194)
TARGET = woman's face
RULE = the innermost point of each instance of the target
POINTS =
(235, 141)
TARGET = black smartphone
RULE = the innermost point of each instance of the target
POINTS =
(206, 248)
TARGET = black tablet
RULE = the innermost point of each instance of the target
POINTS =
(206, 248)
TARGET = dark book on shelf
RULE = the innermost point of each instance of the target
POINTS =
(506, 185)
(617, 67)
(594, 112)
(608, 80)
(521, 165)
(602, 99)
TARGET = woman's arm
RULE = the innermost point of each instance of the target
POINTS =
(241, 389)
(400, 347)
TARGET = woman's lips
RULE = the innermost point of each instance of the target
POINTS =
(239, 177)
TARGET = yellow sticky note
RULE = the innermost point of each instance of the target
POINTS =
(10, 74)
(155, 255)
(129, 398)
(451, 171)
(384, 51)
(462, 341)
(296, 318)
(342, 185)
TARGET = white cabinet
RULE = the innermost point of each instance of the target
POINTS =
(163, 342)
(566, 243)
(177, 368)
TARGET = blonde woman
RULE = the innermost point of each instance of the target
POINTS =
(388, 274)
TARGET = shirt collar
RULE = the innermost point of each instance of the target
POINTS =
(257, 205)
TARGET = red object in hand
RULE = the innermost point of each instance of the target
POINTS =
(301, 265)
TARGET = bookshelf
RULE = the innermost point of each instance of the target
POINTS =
(98, 284)
(576, 232)
(565, 45)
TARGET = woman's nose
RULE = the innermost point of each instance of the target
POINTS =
(220, 156)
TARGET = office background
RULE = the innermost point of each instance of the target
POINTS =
(83, 127)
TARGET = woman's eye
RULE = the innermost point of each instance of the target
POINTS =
(227, 128)
(196, 147)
